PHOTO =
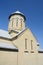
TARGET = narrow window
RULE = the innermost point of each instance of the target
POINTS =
(26, 43)
(31, 44)
(21, 23)
(16, 21)
(12, 21)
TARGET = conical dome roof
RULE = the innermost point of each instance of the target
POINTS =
(17, 13)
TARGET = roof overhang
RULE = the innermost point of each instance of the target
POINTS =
(7, 49)
(40, 51)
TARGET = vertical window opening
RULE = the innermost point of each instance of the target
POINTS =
(26, 43)
(31, 44)
(17, 22)
(21, 23)
(12, 21)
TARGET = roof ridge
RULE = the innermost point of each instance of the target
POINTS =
(21, 31)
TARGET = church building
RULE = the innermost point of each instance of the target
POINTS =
(18, 45)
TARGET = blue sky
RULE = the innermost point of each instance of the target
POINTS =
(33, 11)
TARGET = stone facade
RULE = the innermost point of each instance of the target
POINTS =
(20, 46)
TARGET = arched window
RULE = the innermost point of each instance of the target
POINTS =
(17, 21)
(12, 21)
(21, 22)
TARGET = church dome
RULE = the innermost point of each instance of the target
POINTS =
(4, 33)
(17, 13)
